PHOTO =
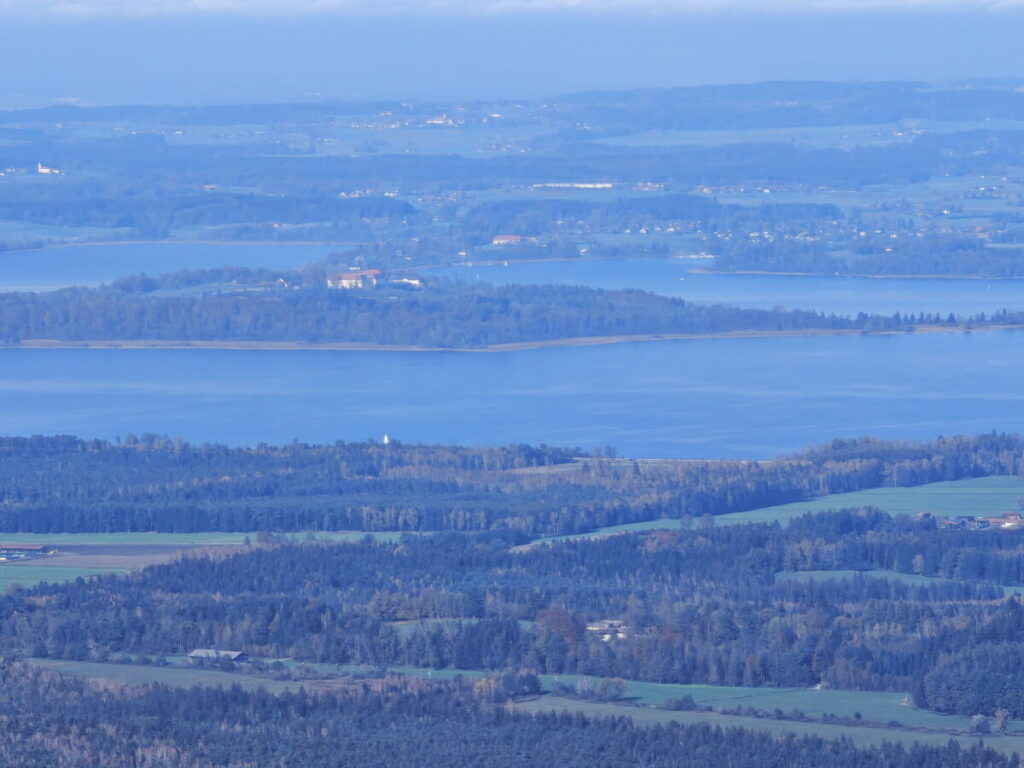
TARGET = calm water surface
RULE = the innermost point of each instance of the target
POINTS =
(719, 398)
(839, 295)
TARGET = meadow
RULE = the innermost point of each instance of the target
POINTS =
(94, 554)
(131, 674)
(67, 540)
(875, 707)
(880, 708)
(610, 530)
(213, 538)
(983, 496)
(862, 736)
(903, 723)
(30, 575)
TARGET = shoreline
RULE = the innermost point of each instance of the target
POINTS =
(122, 243)
(839, 276)
(517, 346)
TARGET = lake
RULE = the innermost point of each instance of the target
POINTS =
(839, 295)
(739, 398)
(61, 266)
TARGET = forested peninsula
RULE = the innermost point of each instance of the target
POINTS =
(249, 306)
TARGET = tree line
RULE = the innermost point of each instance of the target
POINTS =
(49, 720)
(444, 314)
(154, 483)
(697, 605)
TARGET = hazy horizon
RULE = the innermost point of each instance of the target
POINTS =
(254, 57)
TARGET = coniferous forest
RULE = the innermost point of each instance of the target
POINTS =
(154, 483)
(385, 724)
(479, 594)
(443, 314)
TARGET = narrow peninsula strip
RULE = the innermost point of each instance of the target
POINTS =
(579, 341)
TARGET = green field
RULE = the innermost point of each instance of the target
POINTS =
(859, 735)
(184, 539)
(907, 578)
(875, 707)
(988, 496)
(130, 674)
(351, 536)
(30, 575)
(611, 530)
(163, 539)
(91, 554)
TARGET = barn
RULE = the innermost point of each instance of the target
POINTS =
(211, 654)
(24, 551)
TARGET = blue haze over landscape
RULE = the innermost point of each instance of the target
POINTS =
(117, 55)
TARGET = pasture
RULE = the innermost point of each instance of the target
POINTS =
(987, 496)
(641, 704)
(30, 575)
(90, 554)
(877, 707)
(62, 540)
(611, 530)
(862, 736)
(874, 706)
(177, 677)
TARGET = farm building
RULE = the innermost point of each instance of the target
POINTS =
(364, 278)
(24, 551)
(609, 629)
(1008, 520)
(211, 654)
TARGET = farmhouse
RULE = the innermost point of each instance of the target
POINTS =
(211, 654)
(24, 551)
(509, 240)
(363, 278)
(1008, 521)
(609, 629)
(410, 282)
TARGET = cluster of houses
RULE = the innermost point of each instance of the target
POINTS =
(512, 240)
(362, 278)
(609, 629)
(14, 552)
(1008, 521)
(367, 278)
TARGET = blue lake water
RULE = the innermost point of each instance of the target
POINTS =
(744, 398)
(841, 295)
(58, 267)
